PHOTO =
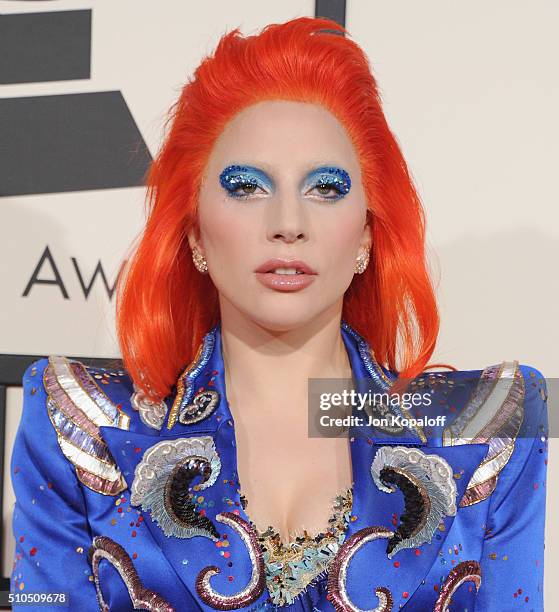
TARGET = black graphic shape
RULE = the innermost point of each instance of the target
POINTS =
(69, 143)
(53, 46)
(332, 9)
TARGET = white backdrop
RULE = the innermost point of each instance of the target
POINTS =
(470, 91)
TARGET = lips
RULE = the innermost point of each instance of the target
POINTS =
(272, 264)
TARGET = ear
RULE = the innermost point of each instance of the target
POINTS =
(366, 239)
(193, 238)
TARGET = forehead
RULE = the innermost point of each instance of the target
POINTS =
(275, 132)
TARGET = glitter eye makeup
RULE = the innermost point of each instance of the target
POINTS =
(242, 181)
(327, 179)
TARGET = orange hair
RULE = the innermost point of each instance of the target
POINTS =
(165, 306)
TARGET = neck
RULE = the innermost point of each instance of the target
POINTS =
(262, 364)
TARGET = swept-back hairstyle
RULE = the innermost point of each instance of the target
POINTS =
(165, 306)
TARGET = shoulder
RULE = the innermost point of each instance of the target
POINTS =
(501, 387)
(65, 404)
(509, 379)
(502, 405)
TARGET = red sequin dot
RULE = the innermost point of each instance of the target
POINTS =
(131, 523)
(133, 534)
(134, 555)
(535, 485)
(140, 519)
(49, 485)
(526, 598)
(405, 594)
(218, 543)
(33, 551)
(396, 564)
(137, 449)
(417, 552)
(519, 591)
(227, 554)
(21, 538)
(230, 578)
(119, 510)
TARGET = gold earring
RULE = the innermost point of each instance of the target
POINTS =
(362, 262)
(199, 261)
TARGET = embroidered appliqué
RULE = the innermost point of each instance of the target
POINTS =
(185, 389)
(203, 404)
(256, 584)
(151, 413)
(162, 480)
(429, 489)
(466, 571)
(337, 574)
(77, 407)
(142, 597)
(493, 415)
(292, 567)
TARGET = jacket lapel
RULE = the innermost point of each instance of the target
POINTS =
(404, 572)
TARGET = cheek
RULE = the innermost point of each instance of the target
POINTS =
(340, 240)
(224, 231)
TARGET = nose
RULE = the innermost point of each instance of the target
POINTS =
(287, 220)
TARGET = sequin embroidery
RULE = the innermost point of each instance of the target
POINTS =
(429, 488)
(162, 480)
(292, 567)
(77, 408)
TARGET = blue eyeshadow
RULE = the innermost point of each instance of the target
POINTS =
(234, 177)
(330, 176)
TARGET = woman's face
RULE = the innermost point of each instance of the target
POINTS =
(283, 182)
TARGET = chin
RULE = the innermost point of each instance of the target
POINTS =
(281, 319)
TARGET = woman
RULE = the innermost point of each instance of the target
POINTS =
(284, 244)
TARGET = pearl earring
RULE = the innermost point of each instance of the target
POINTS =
(362, 262)
(199, 261)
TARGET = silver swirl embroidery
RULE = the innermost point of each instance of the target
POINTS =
(256, 584)
(337, 574)
(203, 404)
(152, 413)
(162, 480)
(429, 488)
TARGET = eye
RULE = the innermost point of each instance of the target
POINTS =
(240, 182)
(242, 189)
(324, 188)
(333, 181)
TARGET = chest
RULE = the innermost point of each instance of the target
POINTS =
(289, 480)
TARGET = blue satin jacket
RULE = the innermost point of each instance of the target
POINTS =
(125, 504)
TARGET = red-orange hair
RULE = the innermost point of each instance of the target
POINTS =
(165, 306)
